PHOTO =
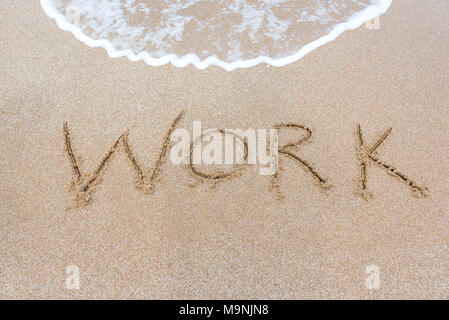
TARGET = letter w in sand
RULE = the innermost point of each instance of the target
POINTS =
(83, 184)
(368, 154)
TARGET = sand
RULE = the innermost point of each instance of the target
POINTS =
(233, 239)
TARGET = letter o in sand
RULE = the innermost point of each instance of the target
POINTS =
(217, 175)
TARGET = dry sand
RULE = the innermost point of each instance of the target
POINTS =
(234, 240)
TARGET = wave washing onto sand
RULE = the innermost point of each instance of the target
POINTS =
(228, 33)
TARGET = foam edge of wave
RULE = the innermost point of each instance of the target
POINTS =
(356, 20)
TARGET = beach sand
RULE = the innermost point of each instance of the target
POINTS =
(235, 239)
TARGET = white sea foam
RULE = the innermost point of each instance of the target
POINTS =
(227, 33)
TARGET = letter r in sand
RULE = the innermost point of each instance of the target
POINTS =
(289, 151)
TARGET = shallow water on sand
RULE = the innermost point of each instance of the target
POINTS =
(230, 33)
